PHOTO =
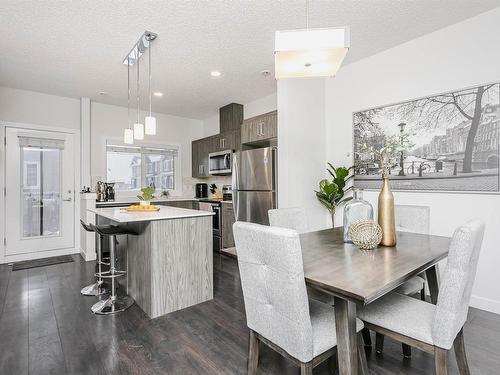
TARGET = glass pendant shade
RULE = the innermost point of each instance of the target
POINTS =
(138, 131)
(150, 123)
(128, 136)
(310, 52)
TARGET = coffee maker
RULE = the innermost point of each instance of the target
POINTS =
(109, 191)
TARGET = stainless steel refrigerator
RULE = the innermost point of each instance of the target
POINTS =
(254, 184)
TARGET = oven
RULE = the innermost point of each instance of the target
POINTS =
(220, 163)
(216, 223)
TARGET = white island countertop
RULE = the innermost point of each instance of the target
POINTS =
(120, 215)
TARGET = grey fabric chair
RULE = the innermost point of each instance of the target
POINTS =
(415, 219)
(278, 311)
(434, 328)
(296, 218)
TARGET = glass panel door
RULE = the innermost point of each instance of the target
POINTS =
(40, 183)
(41, 191)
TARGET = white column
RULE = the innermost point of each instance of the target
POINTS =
(85, 141)
(302, 146)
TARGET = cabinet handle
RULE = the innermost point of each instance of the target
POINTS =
(220, 143)
(261, 129)
(223, 142)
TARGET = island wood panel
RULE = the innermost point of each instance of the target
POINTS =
(171, 264)
(182, 260)
(139, 265)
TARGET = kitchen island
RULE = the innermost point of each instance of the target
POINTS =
(169, 263)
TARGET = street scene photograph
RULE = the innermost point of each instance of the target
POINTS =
(445, 142)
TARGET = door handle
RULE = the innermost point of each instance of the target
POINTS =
(67, 200)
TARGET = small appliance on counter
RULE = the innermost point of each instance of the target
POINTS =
(201, 191)
(109, 188)
(227, 192)
(100, 191)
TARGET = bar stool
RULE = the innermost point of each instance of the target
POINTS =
(98, 288)
(114, 303)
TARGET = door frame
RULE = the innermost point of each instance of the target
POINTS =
(72, 250)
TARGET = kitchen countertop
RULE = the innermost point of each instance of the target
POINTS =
(120, 215)
(125, 200)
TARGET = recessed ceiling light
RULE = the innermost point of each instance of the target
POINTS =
(158, 94)
(215, 73)
(103, 93)
(265, 73)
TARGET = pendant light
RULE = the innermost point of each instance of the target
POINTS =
(128, 136)
(150, 121)
(138, 127)
(310, 52)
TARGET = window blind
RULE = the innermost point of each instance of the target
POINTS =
(41, 142)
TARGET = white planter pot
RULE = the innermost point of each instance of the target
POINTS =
(145, 203)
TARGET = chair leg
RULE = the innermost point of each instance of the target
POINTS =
(362, 364)
(406, 350)
(379, 343)
(459, 346)
(367, 337)
(441, 361)
(253, 353)
(306, 368)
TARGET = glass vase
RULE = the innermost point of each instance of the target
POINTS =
(354, 210)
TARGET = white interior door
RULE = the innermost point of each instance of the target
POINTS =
(40, 184)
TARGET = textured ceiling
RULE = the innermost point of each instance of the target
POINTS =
(76, 48)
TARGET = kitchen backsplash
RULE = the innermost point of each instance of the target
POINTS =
(188, 184)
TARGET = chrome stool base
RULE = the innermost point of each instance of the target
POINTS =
(109, 306)
(96, 289)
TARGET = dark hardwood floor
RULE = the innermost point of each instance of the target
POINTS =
(46, 327)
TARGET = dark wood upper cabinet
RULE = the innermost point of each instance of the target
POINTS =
(230, 117)
(260, 128)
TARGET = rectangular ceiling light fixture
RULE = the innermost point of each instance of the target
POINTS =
(310, 52)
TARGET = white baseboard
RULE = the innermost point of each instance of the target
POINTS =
(87, 257)
(37, 255)
(486, 304)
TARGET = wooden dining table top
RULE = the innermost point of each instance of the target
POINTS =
(362, 276)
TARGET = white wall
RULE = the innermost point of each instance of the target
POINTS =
(459, 56)
(108, 122)
(301, 146)
(31, 107)
(251, 109)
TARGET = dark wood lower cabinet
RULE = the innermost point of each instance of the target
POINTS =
(227, 225)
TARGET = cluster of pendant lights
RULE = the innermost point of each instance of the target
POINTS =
(139, 129)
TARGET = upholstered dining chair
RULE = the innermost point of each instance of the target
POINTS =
(415, 219)
(278, 311)
(296, 218)
(434, 328)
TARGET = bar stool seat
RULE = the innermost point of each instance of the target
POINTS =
(114, 303)
(98, 288)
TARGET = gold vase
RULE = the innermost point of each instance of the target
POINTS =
(386, 215)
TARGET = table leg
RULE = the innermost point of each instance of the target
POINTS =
(345, 321)
(432, 282)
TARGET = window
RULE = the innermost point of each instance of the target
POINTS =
(131, 168)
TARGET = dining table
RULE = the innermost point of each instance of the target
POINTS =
(358, 277)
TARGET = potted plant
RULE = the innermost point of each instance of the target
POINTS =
(331, 194)
(146, 196)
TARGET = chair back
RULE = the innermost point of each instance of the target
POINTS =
(415, 219)
(456, 284)
(292, 218)
(274, 290)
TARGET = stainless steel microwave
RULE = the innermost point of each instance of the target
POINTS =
(220, 163)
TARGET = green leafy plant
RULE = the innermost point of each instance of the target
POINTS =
(391, 152)
(331, 194)
(147, 194)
